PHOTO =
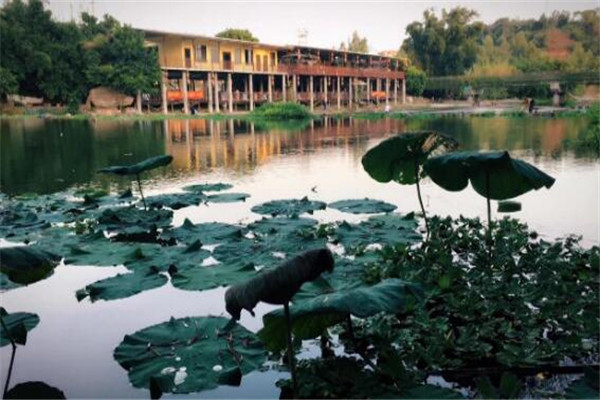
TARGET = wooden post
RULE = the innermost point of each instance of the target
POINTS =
(378, 89)
(283, 87)
(210, 91)
(270, 88)
(404, 91)
(186, 103)
(295, 85)
(138, 101)
(163, 90)
(395, 92)
(387, 91)
(325, 99)
(251, 88)
(339, 89)
(350, 82)
(312, 94)
(230, 92)
(369, 91)
(217, 94)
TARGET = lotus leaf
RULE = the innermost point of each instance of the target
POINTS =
(27, 264)
(209, 277)
(281, 226)
(132, 220)
(289, 208)
(311, 317)
(227, 197)
(123, 285)
(189, 354)
(34, 390)
(18, 324)
(508, 206)
(142, 166)
(362, 206)
(7, 284)
(586, 387)
(167, 258)
(208, 187)
(175, 201)
(399, 158)
(493, 175)
(207, 233)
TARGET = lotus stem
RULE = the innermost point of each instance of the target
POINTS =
(421, 199)
(291, 361)
(137, 176)
(12, 357)
(489, 215)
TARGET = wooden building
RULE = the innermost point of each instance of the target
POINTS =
(217, 75)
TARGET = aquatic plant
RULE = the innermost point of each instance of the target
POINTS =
(137, 169)
(401, 157)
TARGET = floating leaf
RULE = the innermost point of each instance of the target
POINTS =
(207, 187)
(289, 208)
(209, 277)
(193, 346)
(18, 324)
(311, 317)
(587, 387)
(508, 177)
(508, 206)
(281, 226)
(207, 233)
(123, 285)
(27, 264)
(175, 201)
(227, 197)
(132, 219)
(362, 206)
(135, 169)
(34, 390)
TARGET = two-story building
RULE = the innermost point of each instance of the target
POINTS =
(215, 74)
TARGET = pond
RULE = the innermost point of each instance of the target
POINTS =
(72, 347)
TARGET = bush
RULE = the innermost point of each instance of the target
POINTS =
(281, 111)
(415, 81)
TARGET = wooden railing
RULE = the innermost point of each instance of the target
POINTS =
(330, 70)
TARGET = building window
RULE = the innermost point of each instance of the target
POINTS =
(201, 53)
(248, 56)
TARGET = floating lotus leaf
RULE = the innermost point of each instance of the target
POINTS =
(289, 208)
(399, 158)
(207, 233)
(132, 220)
(175, 201)
(386, 229)
(311, 317)
(586, 387)
(246, 253)
(135, 169)
(7, 284)
(123, 285)
(189, 354)
(208, 187)
(362, 206)
(34, 390)
(281, 226)
(18, 324)
(227, 197)
(508, 177)
(508, 206)
(213, 276)
(27, 264)
(167, 258)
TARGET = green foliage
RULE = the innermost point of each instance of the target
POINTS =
(8, 82)
(189, 354)
(586, 387)
(589, 141)
(356, 44)
(533, 304)
(17, 325)
(281, 111)
(237, 34)
(415, 81)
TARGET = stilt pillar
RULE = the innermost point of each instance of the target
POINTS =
(395, 92)
(217, 94)
(230, 92)
(404, 91)
(350, 84)
(251, 89)
(270, 88)
(312, 93)
(387, 91)
(369, 91)
(325, 95)
(339, 94)
(184, 89)
(295, 87)
(209, 88)
(138, 101)
(163, 92)
(283, 87)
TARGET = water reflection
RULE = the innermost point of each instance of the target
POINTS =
(45, 156)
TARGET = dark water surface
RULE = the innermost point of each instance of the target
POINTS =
(72, 346)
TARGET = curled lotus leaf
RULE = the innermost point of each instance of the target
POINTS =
(362, 206)
(182, 354)
(34, 390)
(492, 174)
(135, 169)
(311, 317)
(18, 324)
(289, 208)
(27, 264)
(399, 158)
(208, 187)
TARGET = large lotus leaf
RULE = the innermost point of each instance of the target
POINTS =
(18, 324)
(245, 253)
(34, 390)
(27, 264)
(386, 229)
(587, 387)
(189, 354)
(362, 206)
(175, 201)
(289, 208)
(227, 197)
(146, 165)
(131, 220)
(208, 187)
(7, 284)
(207, 233)
(508, 177)
(165, 259)
(281, 226)
(311, 317)
(17, 220)
(398, 158)
(209, 277)
(123, 285)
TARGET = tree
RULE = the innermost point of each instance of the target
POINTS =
(415, 81)
(238, 34)
(355, 44)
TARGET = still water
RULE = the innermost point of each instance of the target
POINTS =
(72, 346)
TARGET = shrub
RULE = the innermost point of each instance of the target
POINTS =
(281, 111)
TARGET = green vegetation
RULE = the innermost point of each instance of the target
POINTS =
(415, 81)
(589, 143)
(237, 34)
(281, 111)
(61, 61)
(355, 44)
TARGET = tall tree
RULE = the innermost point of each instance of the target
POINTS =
(238, 34)
(355, 44)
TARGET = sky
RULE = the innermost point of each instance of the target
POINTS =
(327, 23)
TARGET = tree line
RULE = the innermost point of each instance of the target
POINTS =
(62, 61)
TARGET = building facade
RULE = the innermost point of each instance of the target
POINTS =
(224, 75)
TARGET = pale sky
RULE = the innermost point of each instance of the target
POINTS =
(278, 22)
